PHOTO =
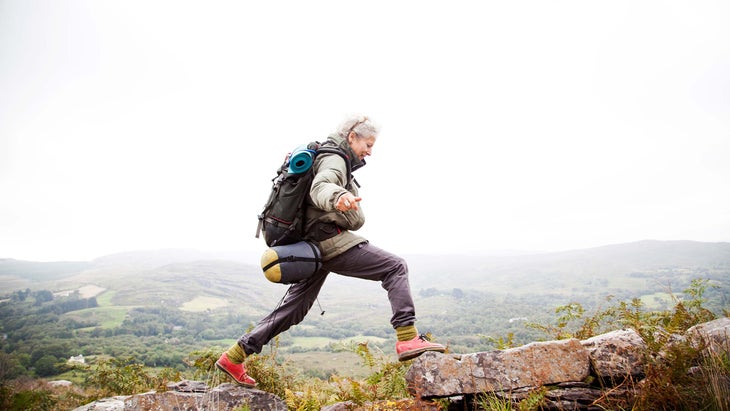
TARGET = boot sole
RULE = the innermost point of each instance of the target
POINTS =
(405, 356)
(243, 384)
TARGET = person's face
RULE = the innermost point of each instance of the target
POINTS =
(361, 146)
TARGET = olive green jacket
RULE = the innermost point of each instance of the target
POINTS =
(330, 182)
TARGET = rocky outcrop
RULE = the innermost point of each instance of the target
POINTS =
(617, 354)
(568, 374)
(192, 395)
(565, 374)
(536, 364)
(712, 337)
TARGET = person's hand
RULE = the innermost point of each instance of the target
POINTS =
(347, 202)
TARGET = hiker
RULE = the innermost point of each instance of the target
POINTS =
(333, 213)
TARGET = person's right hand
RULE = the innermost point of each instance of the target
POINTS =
(347, 202)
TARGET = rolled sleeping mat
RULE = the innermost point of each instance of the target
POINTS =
(301, 160)
(287, 264)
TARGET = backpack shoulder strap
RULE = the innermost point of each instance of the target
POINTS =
(332, 149)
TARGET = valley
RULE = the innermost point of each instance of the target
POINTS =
(160, 306)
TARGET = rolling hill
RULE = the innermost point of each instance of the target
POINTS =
(179, 276)
(151, 298)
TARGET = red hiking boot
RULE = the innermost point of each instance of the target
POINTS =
(415, 347)
(235, 371)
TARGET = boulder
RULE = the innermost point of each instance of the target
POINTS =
(712, 336)
(405, 404)
(617, 354)
(532, 365)
(192, 395)
(105, 404)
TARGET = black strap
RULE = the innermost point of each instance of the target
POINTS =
(292, 258)
(260, 225)
(336, 150)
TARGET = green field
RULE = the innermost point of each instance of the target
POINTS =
(103, 317)
(657, 301)
(202, 303)
(106, 315)
(344, 364)
(322, 342)
(105, 299)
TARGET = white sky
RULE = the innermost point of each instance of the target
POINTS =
(505, 125)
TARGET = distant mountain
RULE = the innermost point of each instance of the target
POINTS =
(550, 272)
(455, 294)
(654, 254)
(642, 264)
(149, 258)
(156, 258)
(39, 271)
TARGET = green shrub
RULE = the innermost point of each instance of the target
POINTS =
(120, 376)
(672, 381)
(31, 400)
(27, 394)
(270, 375)
(203, 362)
(386, 380)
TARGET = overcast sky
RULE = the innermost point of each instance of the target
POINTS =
(520, 125)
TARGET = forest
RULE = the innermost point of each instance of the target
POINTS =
(41, 332)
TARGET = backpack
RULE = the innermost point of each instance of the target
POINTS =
(282, 220)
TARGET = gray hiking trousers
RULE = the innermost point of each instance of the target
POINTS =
(362, 261)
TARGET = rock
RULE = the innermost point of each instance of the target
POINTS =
(584, 395)
(532, 365)
(617, 354)
(571, 396)
(340, 406)
(712, 336)
(405, 404)
(187, 386)
(190, 397)
(223, 397)
(105, 404)
(60, 383)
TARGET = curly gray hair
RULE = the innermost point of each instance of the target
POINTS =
(363, 126)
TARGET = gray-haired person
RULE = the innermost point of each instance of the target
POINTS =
(333, 213)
